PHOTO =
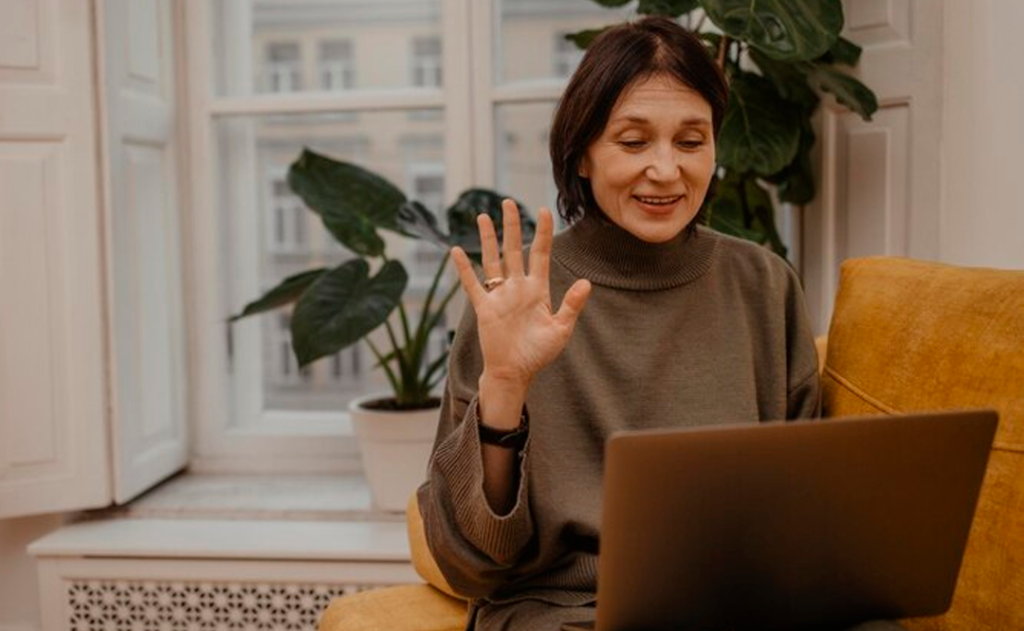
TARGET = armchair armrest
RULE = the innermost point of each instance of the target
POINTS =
(422, 560)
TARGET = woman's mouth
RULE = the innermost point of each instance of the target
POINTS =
(657, 204)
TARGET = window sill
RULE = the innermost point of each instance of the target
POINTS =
(306, 497)
(308, 517)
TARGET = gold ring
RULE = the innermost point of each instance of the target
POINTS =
(491, 283)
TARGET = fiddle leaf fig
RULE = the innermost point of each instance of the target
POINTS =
(788, 30)
(583, 38)
(671, 8)
(842, 52)
(847, 90)
(760, 131)
(789, 81)
(796, 182)
(343, 306)
(352, 202)
(758, 204)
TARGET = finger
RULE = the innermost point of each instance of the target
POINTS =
(573, 302)
(467, 277)
(489, 247)
(540, 249)
(512, 244)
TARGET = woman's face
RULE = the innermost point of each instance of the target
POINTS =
(650, 168)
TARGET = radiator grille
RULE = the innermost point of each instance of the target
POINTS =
(198, 606)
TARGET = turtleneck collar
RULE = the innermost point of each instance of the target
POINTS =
(597, 249)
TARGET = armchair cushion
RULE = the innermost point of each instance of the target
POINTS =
(913, 336)
(402, 608)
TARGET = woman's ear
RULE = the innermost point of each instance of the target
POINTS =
(584, 168)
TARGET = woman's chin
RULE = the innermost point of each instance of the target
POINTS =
(658, 229)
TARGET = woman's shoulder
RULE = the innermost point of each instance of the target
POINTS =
(746, 260)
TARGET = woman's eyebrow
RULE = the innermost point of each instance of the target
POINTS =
(689, 121)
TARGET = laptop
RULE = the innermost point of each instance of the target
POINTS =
(787, 525)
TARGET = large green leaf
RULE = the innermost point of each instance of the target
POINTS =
(842, 52)
(789, 81)
(726, 214)
(847, 90)
(760, 131)
(584, 38)
(795, 183)
(462, 219)
(789, 30)
(671, 8)
(742, 208)
(343, 306)
(762, 212)
(352, 201)
(417, 221)
(286, 292)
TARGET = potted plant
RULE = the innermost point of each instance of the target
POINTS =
(336, 308)
(777, 57)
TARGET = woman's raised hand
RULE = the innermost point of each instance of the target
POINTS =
(519, 332)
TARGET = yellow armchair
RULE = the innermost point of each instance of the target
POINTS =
(905, 336)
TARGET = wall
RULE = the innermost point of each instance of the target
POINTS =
(982, 213)
(19, 594)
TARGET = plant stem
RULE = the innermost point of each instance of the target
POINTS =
(400, 358)
(436, 317)
(723, 46)
(387, 369)
(422, 331)
(700, 22)
(404, 318)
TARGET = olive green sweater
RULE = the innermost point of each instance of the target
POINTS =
(702, 330)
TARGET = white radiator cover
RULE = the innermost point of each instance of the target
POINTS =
(124, 605)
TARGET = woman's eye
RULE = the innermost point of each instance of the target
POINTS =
(632, 144)
(691, 144)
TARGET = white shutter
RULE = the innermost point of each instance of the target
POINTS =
(53, 437)
(879, 189)
(141, 154)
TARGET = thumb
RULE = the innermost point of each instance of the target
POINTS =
(573, 302)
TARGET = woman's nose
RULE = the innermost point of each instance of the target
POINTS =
(663, 165)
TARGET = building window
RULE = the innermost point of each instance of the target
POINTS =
(426, 62)
(336, 65)
(288, 220)
(566, 55)
(282, 67)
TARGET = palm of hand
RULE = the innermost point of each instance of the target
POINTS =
(519, 331)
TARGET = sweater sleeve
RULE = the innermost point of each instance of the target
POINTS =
(475, 548)
(803, 389)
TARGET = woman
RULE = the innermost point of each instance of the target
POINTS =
(661, 323)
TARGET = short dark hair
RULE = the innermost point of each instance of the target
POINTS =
(617, 58)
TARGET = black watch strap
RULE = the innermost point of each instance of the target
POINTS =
(514, 438)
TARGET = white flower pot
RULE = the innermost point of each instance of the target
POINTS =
(395, 447)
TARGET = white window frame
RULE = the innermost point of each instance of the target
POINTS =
(316, 441)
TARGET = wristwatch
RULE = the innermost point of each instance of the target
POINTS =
(513, 438)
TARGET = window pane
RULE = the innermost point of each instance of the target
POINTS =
(267, 46)
(523, 166)
(532, 33)
(270, 235)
